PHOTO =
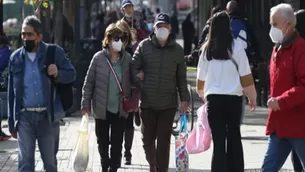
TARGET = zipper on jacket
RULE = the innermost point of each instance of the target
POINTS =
(160, 70)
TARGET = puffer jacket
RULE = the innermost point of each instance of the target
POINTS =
(95, 87)
(164, 73)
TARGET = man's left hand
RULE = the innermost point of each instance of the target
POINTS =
(52, 70)
(184, 106)
(273, 104)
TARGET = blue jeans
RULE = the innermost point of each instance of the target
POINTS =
(34, 126)
(278, 151)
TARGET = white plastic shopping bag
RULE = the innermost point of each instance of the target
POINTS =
(200, 138)
(81, 152)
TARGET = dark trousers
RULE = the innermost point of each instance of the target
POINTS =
(128, 136)
(129, 121)
(297, 166)
(157, 124)
(116, 125)
(224, 115)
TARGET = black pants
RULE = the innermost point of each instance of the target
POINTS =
(128, 136)
(129, 121)
(157, 124)
(297, 166)
(224, 115)
(116, 125)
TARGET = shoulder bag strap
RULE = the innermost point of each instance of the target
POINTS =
(233, 60)
(50, 59)
(115, 75)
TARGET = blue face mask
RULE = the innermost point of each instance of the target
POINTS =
(150, 26)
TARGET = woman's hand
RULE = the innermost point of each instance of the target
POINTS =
(140, 75)
(252, 104)
(85, 111)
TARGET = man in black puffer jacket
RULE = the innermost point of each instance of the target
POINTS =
(162, 62)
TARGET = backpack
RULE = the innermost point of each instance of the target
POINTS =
(252, 50)
(65, 91)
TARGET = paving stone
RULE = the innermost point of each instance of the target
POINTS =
(254, 142)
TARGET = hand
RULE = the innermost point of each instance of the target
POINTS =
(252, 104)
(52, 70)
(188, 57)
(273, 104)
(184, 106)
(85, 111)
(140, 75)
(14, 135)
(200, 93)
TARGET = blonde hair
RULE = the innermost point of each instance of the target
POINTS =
(123, 25)
(111, 31)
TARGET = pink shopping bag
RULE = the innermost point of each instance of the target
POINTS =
(199, 139)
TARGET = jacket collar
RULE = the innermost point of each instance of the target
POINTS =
(41, 50)
(107, 54)
(288, 42)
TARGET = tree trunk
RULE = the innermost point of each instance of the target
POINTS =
(69, 12)
(45, 17)
(58, 22)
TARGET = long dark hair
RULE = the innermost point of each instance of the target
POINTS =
(215, 10)
(300, 15)
(220, 38)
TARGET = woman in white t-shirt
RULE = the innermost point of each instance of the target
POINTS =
(223, 75)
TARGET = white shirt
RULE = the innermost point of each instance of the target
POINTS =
(31, 56)
(221, 76)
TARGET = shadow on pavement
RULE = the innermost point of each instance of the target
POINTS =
(259, 170)
(136, 167)
(255, 138)
(190, 170)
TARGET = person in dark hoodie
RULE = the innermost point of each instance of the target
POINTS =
(188, 31)
(4, 59)
(300, 15)
(195, 54)
(174, 23)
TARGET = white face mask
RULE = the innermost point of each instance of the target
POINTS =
(128, 15)
(162, 33)
(276, 35)
(117, 45)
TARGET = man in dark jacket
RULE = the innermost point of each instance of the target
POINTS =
(194, 56)
(161, 59)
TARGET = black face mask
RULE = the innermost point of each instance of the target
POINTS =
(29, 45)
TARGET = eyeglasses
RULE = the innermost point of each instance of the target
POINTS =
(29, 34)
(117, 38)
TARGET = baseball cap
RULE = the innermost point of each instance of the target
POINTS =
(125, 3)
(162, 18)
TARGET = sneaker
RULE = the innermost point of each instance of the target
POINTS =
(137, 119)
(4, 137)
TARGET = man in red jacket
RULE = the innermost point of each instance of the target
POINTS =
(286, 119)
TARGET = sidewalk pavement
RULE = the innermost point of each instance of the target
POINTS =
(254, 141)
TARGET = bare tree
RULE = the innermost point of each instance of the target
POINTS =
(69, 11)
(58, 22)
